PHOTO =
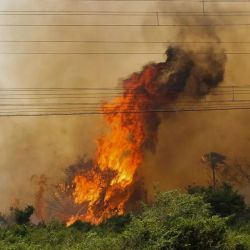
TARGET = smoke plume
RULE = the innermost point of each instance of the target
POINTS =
(104, 188)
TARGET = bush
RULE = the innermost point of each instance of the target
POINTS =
(224, 200)
(116, 223)
(175, 221)
(81, 226)
(23, 216)
(200, 234)
(237, 241)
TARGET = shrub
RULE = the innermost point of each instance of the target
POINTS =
(175, 221)
(116, 223)
(23, 216)
(224, 200)
(81, 226)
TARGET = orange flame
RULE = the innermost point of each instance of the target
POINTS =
(106, 188)
(40, 205)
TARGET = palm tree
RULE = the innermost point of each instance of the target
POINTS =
(214, 159)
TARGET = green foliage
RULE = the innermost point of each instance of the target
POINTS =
(82, 226)
(224, 200)
(116, 224)
(3, 220)
(198, 234)
(174, 221)
(238, 241)
(55, 225)
(23, 216)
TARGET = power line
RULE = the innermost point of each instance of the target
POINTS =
(129, 112)
(102, 91)
(120, 13)
(39, 108)
(227, 86)
(156, 14)
(125, 25)
(69, 96)
(131, 106)
(123, 42)
(59, 88)
(128, 105)
(76, 108)
(199, 1)
(82, 53)
(112, 53)
(121, 52)
(173, 1)
(206, 1)
(11, 93)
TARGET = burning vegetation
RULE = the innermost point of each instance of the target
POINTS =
(97, 192)
(40, 205)
(104, 186)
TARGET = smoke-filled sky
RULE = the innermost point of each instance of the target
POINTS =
(46, 145)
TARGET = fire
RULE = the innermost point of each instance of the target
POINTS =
(105, 189)
(40, 205)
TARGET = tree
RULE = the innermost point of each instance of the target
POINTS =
(214, 159)
(224, 200)
(175, 221)
(23, 216)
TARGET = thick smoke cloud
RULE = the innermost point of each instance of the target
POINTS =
(184, 137)
(159, 86)
(106, 187)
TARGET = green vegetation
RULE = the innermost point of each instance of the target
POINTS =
(200, 219)
(23, 217)
(224, 200)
